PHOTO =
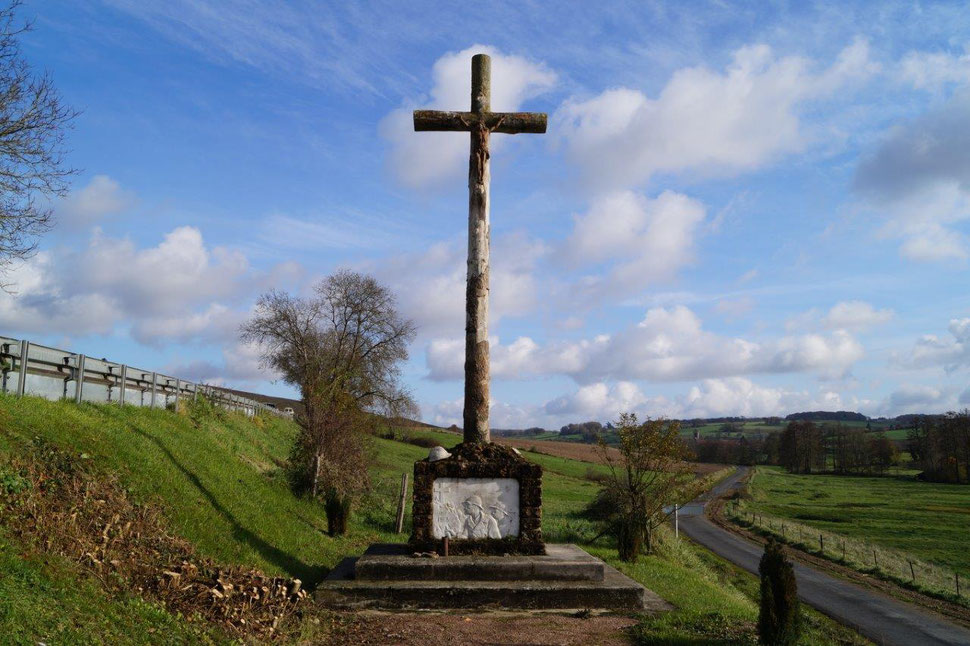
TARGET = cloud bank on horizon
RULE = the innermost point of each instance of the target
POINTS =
(743, 220)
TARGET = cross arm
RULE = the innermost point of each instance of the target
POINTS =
(509, 123)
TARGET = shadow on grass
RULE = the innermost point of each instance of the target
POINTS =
(310, 575)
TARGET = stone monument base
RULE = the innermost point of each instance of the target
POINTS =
(389, 576)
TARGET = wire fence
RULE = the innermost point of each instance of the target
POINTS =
(863, 556)
(34, 369)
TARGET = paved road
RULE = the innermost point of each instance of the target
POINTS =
(878, 617)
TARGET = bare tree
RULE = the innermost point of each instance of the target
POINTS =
(342, 348)
(33, 121)
(647, 474)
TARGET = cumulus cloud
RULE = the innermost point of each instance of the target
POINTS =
(930, 350)
(855, 316)
(604, 401)
(240, 363)
(919, 179)
(667, 345)
(932, 70)
(179, 289)
(598, 401)
(641, 240)
(101, 197)
(427, 158)
(430, 285)
(703, 120)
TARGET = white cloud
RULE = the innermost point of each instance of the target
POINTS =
(852, 316)
(420, 159)
(642, 240)
(240, 363)
(932, 70)
(598, 401)
(102, 196)
(919, 180)
(932, 351)
(855, 315)
(430, 285)
(604, 401)
(180, 289)
(703, 120)
(216, 323)
(667, 345)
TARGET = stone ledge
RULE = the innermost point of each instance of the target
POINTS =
(387, 561)
(614, 592)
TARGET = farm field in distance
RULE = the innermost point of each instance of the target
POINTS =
(754, 426)
(928, 520)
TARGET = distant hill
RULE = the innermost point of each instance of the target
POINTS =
(827, 416)
(281, 403)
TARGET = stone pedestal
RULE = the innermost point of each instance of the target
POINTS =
(485, 498)
(391, 576)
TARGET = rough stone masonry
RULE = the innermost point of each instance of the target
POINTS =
(474, 503)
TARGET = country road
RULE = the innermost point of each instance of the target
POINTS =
(876, 616)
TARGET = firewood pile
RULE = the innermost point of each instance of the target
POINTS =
(64, 507)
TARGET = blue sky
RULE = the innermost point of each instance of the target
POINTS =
(738, 209)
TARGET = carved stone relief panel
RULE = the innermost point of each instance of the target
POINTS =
(475, 508)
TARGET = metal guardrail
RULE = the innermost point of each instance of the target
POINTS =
(34, 369)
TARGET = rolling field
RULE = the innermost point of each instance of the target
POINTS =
(928, 520)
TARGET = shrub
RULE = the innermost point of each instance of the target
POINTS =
(425, 442)
(779, 620)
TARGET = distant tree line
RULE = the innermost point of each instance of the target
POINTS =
(590, 431)
(827, 416)
(806, 447)
(940, 445)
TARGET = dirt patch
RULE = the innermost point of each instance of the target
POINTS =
(484, 629)
(586, 452)
(56, 503)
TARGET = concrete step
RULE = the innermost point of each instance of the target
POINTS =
(614, 591)
(394, 561)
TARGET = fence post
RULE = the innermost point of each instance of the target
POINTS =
(912, 571)
(79, 379)
(154, 388)
(821, 545)
(399, 523)
(875, 561)
(6, 350)
(195, 392)
(22, 377)
(178, 387)
(124, 385)
(843, 550)
(957, 575)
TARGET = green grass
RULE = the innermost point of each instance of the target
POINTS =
(218, 479)
(928, 520)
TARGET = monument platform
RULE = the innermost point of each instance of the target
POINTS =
(389, 576)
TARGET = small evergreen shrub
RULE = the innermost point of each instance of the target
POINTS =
(779, 621)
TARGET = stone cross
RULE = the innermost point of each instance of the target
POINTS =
(480, 122)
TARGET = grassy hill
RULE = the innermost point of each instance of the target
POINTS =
(217, 481)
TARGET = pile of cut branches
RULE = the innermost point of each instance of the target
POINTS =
(56, 502)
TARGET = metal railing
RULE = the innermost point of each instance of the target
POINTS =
(34, 369)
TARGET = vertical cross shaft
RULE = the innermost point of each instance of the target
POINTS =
(475, 415)
(480, 122)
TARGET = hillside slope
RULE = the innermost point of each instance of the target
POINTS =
(217, 482)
